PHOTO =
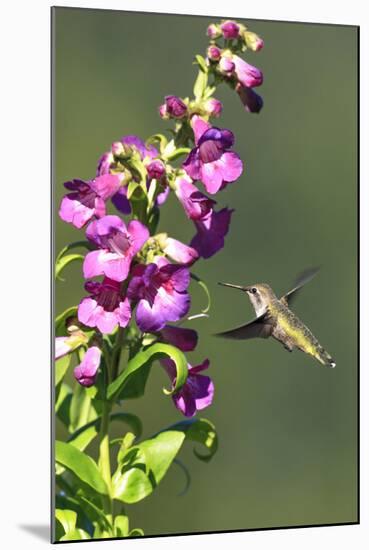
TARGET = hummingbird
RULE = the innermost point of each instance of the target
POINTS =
(275, 318)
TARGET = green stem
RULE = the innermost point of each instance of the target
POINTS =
(117, 351)
(104, 459)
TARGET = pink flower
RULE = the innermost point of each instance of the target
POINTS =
(117, 244)
(86, 372)
(230, 30)
(211, 231)
(184, 339)
(196, 205)
(211, 161)
(106, 307)
(247, 74)
(87, 199)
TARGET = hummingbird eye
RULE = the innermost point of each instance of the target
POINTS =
(254, 290)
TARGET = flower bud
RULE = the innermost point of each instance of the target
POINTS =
(155, 169)
(226, 66)
(213, 107)
(230, 29)
(214, 53)
(163, 112)
(213, 31)
(86, 372)
(117, 148)
(253, 41)
(175, 107)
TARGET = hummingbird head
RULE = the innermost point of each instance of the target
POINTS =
(260, 295)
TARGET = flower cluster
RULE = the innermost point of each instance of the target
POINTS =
(131, 271)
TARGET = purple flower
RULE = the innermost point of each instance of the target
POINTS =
(161, 291)
(177, 251)
(121, 202)
(106, 307)
(198, 391)
(252, 101)
(213, 107)
(230, 30)
(117, 244)
(155, 169)
(211, 231)
(184, 339)
(175, 107)
(210, 161)
(214, 53)
(87, 199)
(196, 205)
(247, 74)
(86, 372)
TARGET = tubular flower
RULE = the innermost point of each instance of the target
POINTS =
(196, 205)
(86, 372)
(198, 391)
(160, 290)
(211, 231)
(87, 199)
(211, 161)
(247, 74)
(252, 101)
(106, 307)
(184, 339)
(175, 250)
(117, 244)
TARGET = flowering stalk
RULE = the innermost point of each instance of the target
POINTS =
(137, 282)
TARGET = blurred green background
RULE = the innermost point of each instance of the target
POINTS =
(287, 427)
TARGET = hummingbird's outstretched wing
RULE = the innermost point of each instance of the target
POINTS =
(300, 281)
(261, 327)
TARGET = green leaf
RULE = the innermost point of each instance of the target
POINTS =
(60, 328)
(62, 404)
(201, 431)
(64, 261)
(121, 526)
(202, 63)
(143, 359)
(200, 85)
(144, 465)
(94, 513)
(209, 91)
(206, 290)
(82, 465)
(76, 534)
(61, 367)
(82, 437)
(68, 519)
(132, 186)
(136, 533)
(80, 408)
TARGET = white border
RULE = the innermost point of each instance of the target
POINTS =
(25, 303)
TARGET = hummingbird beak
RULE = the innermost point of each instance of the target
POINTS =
(233, 286)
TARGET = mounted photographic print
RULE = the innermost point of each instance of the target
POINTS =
(205, 366)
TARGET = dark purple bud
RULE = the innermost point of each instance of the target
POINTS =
(155, 169)
(176, 108)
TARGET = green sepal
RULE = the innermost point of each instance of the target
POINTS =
(201, 63)
(158, 138)
(143, 360)
(178, 153)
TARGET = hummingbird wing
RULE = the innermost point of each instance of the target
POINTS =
(261, 327)
(301, 280)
